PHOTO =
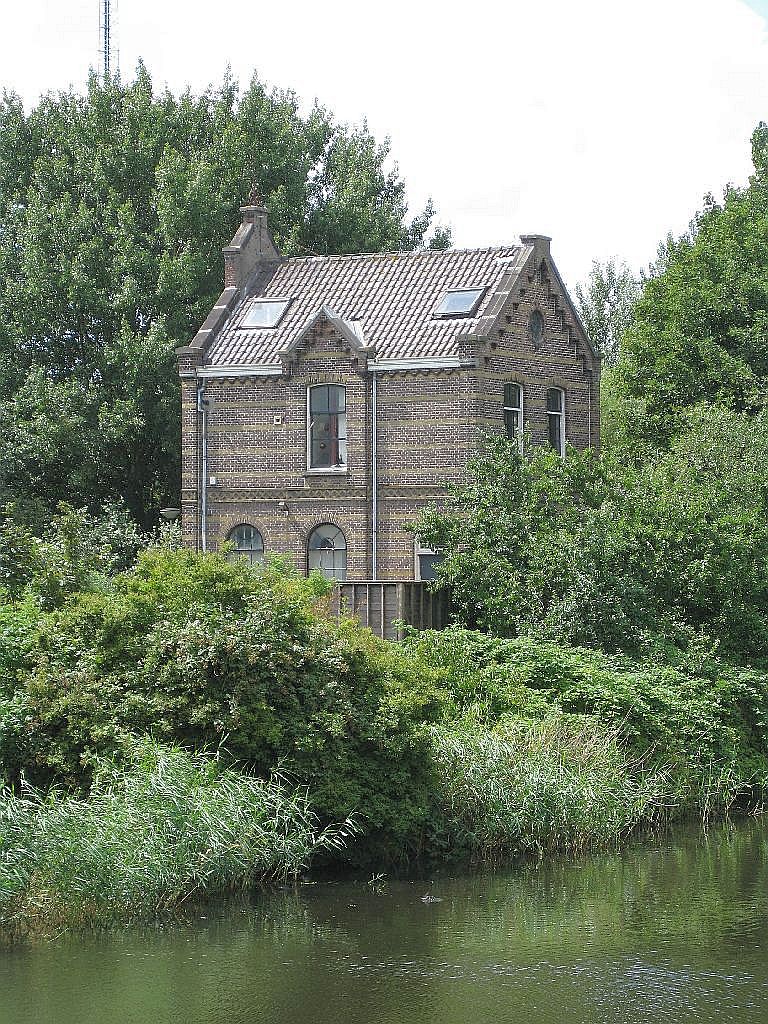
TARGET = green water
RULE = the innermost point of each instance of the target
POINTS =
(670, 931)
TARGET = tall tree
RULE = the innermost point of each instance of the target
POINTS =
(701, 325)
(608, 552)
(607, 305)
(114, 207)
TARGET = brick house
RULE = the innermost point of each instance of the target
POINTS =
(326, 400)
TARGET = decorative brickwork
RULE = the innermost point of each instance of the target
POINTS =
(431, 411)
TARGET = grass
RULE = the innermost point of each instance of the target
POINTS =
(562, 783)
(168, 826)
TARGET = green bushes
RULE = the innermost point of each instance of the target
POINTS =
(161, 827)
(562, 783)
(78, 552)
(203, 652)
(704, 720)
(454, 743)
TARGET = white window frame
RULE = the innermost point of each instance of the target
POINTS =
(265, 300)
(560, 415)
(481, 291)
(520, 410)
(324, 470)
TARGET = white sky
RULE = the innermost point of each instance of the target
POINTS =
(601, 123)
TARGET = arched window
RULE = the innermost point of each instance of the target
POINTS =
(248, 543)
(327, 427)
(537, 327)
(327, 551)
(513, 410)
(556, 419)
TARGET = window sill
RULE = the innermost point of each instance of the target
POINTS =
(340, 471)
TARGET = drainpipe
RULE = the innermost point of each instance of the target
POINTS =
(589, 409)
(374, 481)
(202, 408)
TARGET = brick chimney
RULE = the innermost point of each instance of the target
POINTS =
(252, 244)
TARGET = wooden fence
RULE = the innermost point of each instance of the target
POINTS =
(379, 605)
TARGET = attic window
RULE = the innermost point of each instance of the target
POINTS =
(460, 302)
(265, 313)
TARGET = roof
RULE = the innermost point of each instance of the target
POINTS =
(385, 300)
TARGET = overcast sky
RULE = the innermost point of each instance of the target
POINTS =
(601, 123)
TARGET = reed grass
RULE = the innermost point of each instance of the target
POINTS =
(168, 826)
(562, 783)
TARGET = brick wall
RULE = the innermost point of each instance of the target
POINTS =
(430, 423)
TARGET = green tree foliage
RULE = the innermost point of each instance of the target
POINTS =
(606, 553)
(78, 552)
(607, 306)
(701, 330)
(114, 207)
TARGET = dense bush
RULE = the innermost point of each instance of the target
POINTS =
(446, 743)
(209, 653)
(704, 721)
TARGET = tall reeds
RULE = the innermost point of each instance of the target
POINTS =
(168, 826)
(563, 783)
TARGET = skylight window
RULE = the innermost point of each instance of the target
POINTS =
(265, 313)
(460, 302)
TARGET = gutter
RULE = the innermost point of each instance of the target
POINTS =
(202, 408)
(374, 479)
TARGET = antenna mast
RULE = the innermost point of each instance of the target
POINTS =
(106, 12)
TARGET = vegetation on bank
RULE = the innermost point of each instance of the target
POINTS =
(701, 727)
(608, 666)
(558, 783)
(158, 828)
(446, 745)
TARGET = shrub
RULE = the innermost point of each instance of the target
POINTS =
(203, 652)
(78, 551)
(703, 718)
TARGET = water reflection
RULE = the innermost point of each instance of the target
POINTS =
(674, 931)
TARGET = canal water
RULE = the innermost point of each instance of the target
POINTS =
(670, 930)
